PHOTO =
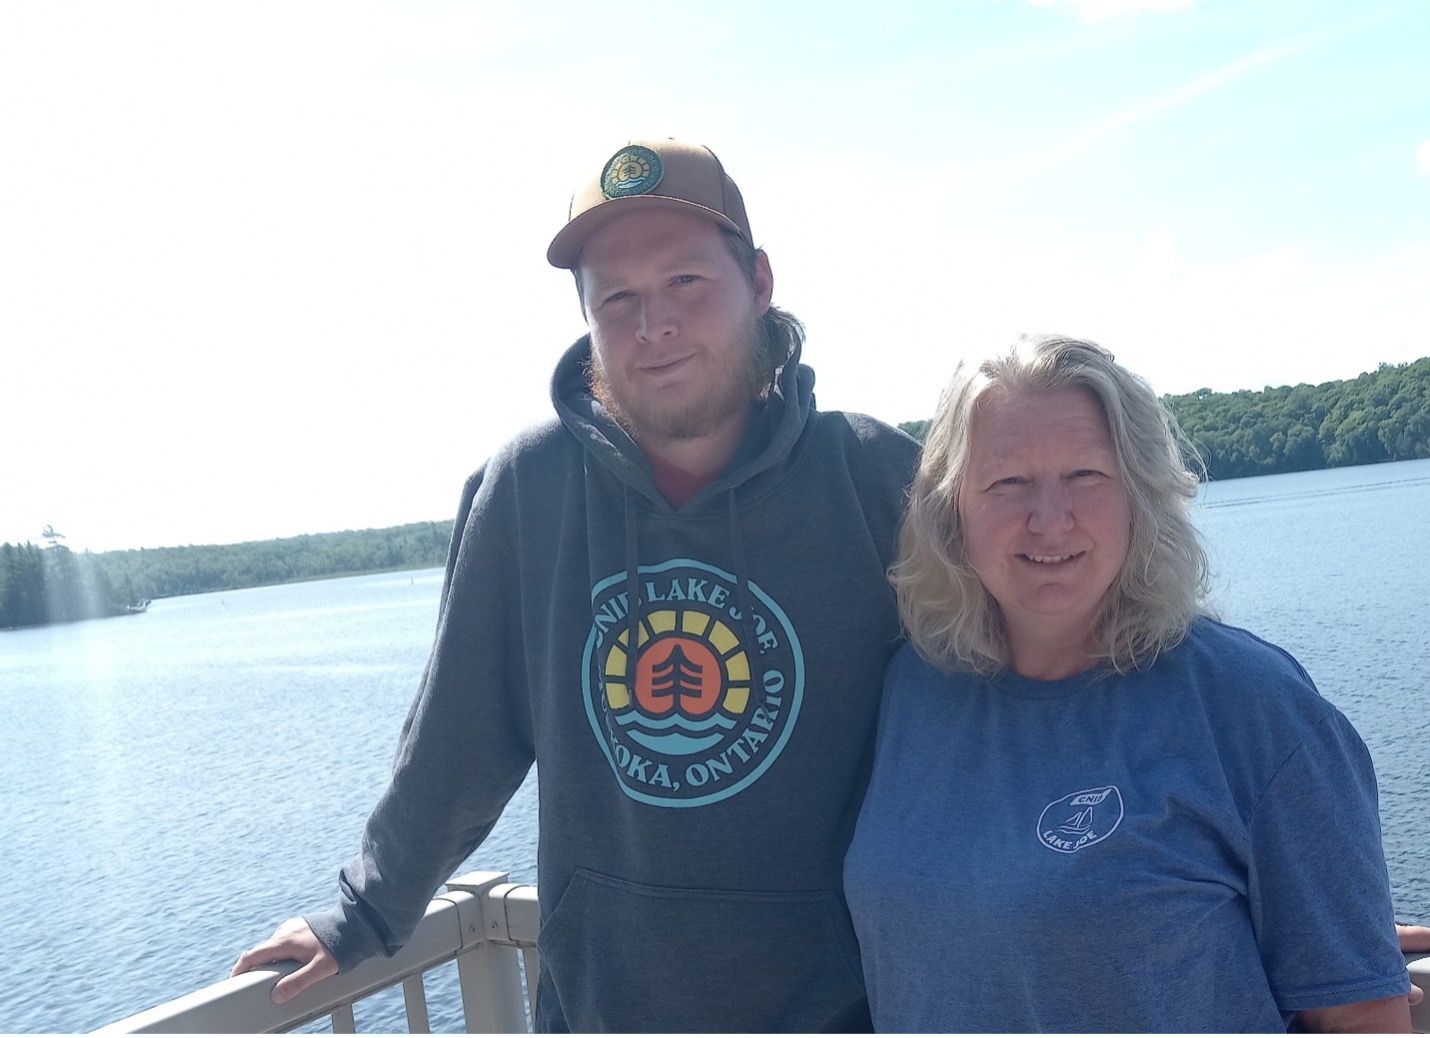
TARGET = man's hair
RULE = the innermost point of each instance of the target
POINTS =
(951, 618)
(780, 332)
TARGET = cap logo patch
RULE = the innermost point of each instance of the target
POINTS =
(632, 171)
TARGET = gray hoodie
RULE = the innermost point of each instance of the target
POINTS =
(696, 797)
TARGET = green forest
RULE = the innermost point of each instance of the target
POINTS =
(1383, 415)
(53, 584)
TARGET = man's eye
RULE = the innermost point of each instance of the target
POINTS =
(614, 297)
(684, 279)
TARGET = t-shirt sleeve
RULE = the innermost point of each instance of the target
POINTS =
(1319, 891)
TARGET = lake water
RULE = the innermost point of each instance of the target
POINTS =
(181, 781)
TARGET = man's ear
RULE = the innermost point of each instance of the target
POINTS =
(763, 282)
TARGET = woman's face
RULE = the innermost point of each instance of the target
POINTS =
(1045, 515)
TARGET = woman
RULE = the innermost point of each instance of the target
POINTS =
(1093, 806)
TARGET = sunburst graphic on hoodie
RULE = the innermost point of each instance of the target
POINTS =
(693, 715)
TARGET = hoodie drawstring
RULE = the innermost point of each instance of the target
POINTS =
(743, 595)
(633, 585)
(742, 589)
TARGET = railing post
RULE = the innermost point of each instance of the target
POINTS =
(414, 997)
(489, 974)
(1419, 966)
(491, 990)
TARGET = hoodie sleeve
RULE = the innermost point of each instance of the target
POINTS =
(466, 744)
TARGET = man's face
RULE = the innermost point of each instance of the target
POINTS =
(674, 325)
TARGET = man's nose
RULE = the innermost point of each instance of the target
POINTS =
(657, 319)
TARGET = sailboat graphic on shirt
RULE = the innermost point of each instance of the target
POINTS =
(1080, 819)
(1078, 824)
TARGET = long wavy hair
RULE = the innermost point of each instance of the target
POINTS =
(951, 618)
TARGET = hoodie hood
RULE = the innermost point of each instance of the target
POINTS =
(769, 438)
(774, 430)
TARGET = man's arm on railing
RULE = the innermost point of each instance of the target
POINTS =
(294, 939)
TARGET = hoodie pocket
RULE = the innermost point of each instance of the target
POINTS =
(625, 956)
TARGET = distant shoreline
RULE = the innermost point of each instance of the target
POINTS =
(39, 587)
(1380, 416)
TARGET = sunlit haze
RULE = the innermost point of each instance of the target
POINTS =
(271, 268)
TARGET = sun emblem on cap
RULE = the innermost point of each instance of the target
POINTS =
(632, 171)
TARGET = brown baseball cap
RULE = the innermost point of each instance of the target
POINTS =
(654, 173)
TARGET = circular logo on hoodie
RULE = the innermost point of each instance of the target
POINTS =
(706, 701)
(631, 171)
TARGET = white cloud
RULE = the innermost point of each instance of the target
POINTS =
(1103, 10)
(1422, 157)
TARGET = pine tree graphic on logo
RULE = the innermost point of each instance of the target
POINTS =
(679, 682)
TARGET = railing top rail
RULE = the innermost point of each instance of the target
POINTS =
(478, 907)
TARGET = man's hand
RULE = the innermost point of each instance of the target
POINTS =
(1414, 939)
(292, 940)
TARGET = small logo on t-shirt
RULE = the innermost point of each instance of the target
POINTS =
(1080, 819)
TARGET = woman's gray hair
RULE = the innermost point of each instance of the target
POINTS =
(951, 618)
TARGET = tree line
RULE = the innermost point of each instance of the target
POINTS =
(1382, 415)
(54, 585)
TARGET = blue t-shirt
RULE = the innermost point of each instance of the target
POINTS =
(1191, 848)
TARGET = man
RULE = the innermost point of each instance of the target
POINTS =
(697, 793)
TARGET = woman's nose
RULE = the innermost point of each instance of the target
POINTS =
(1051, 510)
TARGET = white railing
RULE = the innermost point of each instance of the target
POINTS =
(484, 923)
(1420, 976)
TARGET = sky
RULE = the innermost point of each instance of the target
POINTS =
(274, 268)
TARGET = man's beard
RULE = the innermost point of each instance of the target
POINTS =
(647, 422)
